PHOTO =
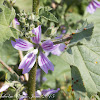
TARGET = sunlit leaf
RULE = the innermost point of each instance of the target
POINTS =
(47, 15)
(6, 17)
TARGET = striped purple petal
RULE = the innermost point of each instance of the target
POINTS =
(28, 62)
(37, 32)
(45, 63)
(47, 45)
(58, 49)
(16, 22)
(92, 6)
(4, 87)
(59, 36)
(96, 3)
(22, 45)
(23, 96)
(49, 91)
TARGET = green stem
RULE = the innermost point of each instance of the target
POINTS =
(35, 7)
(32, 83)
(32, 74)
(9, 68)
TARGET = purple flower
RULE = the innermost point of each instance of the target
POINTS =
(24, 96)
(16, 22)
(59, 36)
(63, 31)
(4, 87)
(57, 49)
(92, 6)
(29, 60)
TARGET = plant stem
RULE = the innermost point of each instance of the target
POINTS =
(9, 68)
(32, 83)
(35, 7)
(62, 40)
(32, 74)
(21, 57)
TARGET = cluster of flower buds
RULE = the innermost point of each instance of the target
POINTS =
(27, 23)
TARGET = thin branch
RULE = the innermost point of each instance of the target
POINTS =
(21, 57)
(62, 40)
(9, 68)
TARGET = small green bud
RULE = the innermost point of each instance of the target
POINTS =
(23, 20)
(29, 34)
(32, 26)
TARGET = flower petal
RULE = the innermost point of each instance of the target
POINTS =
(63, 31)
(22, 45)
(96, 3)
(90, 9)
(59, 36)
(92, 6)
(28, 62)
(58, 49)
(45, 63)
(16, 22)
(49, 91)
(47, 45)
(24, 96)
(38, 94)
(4, 87)
(37, 32)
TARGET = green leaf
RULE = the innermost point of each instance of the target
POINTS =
(6, 17)
(1, 2)
(8, 54)
(77, 84)
(47, 15)
(95, 18)
(61, 70)
(85, 56)
(87, 61)
(73, 18)
(58, 1)
(2, 76)
(51, 31)
(85, 33)
(46, 8)
(24, 5)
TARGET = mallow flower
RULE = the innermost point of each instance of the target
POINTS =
(92, 6)
(16, 21)
(29, 60)
(4, 88)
